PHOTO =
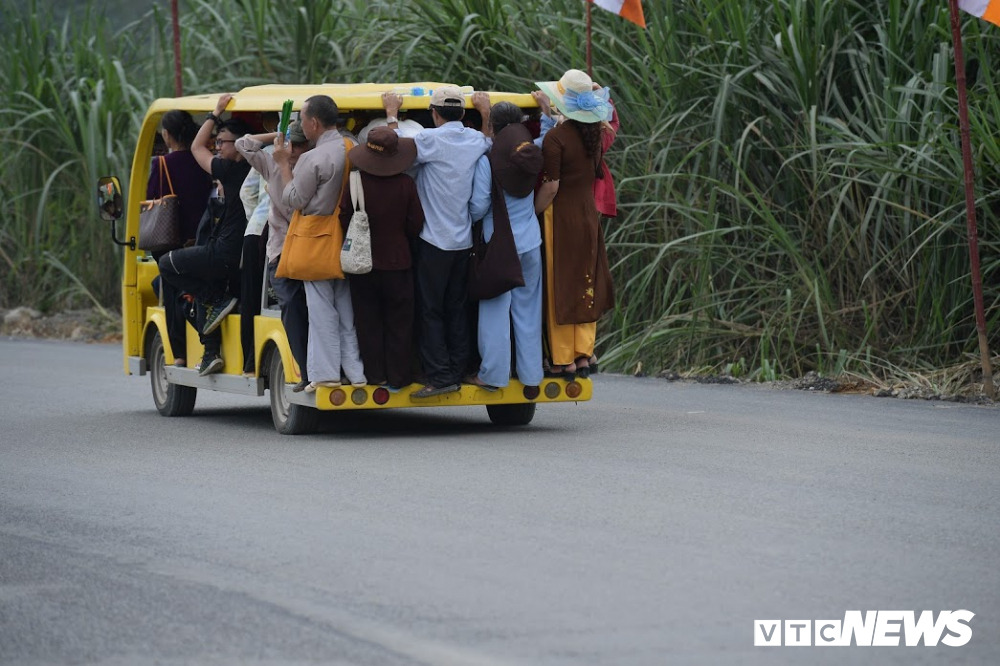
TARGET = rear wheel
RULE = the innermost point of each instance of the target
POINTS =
(170, 399)
(289, 418)
(511, 415)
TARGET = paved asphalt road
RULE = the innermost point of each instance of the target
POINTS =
(650, 526)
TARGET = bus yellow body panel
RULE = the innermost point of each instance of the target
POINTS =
(268, 330)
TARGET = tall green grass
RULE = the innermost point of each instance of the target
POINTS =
(788, 170)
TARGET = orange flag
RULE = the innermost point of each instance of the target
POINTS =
(988, 10)
(627, 9)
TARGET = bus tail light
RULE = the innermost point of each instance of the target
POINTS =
(337, 397)
(359, 396)
(381, 396)
(573, 390)
(531, 392)
(552, 390)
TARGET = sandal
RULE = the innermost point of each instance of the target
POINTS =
(567, 372)
(474, 380)
(583, 367)
(312, 386)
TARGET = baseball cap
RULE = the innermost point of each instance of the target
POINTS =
(448, 96)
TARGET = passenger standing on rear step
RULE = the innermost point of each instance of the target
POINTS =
(514, 162)
(204, 270)
(291, 293)
(256, 205)
(315, 189)
(447, 155)
(384, 298)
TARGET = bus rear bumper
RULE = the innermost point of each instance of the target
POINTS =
(375, 397)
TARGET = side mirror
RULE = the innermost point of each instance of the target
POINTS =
(109, 205)
(109, 198)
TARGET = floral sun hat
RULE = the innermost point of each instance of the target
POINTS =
(575, 97)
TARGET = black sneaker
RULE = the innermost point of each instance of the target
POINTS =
(210, 365)
(216, 312)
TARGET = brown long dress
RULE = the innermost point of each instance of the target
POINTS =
(578, 280)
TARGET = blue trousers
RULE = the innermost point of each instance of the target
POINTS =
(523, 308)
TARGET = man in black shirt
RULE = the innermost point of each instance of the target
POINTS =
(204, 270)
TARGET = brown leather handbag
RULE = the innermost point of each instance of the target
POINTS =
(494, 267)
(313, 243)
(160, 219)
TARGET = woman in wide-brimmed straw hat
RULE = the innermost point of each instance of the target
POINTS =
(384, 298)
(578, 288)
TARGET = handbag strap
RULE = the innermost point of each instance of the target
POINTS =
(357, 192)
(165, 170)
(501, 216)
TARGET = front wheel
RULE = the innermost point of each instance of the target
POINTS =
(289, 418)
(511, 415)
(170, 399)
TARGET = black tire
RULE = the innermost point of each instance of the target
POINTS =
(289, 418)
(512, 415)
(170, 399)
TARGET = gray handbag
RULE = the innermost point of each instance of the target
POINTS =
(356, 255)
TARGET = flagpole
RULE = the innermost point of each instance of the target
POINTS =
(590, 65)
(178, 80)
(970, 199)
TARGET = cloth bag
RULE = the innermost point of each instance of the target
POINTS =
(160, 219)
(356, 255)
(313, 244)
(494, 267)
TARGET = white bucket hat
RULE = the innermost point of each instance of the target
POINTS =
(575, 97)
(407, 128)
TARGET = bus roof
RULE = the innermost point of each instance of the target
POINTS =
(348, 96)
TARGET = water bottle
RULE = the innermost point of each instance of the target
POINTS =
(411, 91)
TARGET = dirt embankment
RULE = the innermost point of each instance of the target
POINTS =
(79, 325)
(965, 392)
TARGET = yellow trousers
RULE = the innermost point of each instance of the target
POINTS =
(567, 342)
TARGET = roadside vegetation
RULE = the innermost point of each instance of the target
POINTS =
(788, 170)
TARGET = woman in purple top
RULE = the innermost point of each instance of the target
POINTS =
(192, 186)
(191, 183)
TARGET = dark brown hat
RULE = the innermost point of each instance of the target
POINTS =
(516, 160)
(384, 153)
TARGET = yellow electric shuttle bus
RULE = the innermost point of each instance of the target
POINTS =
(145, 343)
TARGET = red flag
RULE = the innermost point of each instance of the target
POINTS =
(627, 9)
